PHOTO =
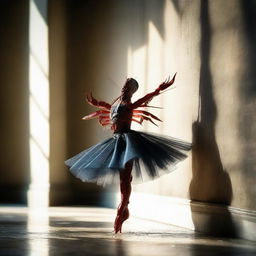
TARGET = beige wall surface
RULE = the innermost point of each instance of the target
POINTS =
(212, 105)
(95, 45)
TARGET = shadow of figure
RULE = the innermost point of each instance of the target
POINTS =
(210, 182)
(247, 104)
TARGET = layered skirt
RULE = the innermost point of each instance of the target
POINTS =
(152, 155)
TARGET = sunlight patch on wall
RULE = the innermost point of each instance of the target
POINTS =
(154, 57)
(38, 109)
(155, 69)
(161, 60)
(137, 70)
(145, 64)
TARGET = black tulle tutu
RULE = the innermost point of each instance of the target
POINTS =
(152, 156)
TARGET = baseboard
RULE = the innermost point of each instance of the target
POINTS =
(211, 219)
(11, 194)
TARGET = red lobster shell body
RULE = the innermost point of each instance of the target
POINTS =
(119, 117)
(122, 112)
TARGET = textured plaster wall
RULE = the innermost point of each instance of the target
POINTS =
(93, 46)
(212, 105)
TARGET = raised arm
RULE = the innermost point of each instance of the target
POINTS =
(100, 104)
(148, 97)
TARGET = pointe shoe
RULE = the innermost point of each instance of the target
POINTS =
(120, 220)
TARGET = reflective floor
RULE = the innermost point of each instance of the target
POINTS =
(88, 231)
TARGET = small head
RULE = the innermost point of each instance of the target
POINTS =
(129, 88)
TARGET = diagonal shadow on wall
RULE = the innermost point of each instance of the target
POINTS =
(247, 97)
(210, 182)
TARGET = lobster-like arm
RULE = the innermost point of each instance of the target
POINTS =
(100, 104)
(148, 97)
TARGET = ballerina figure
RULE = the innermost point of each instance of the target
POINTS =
(128, 154)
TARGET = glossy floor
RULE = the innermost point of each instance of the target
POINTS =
(88, 231)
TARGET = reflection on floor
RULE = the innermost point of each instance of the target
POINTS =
(88, 231)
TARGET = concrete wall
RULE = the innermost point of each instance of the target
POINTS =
(94, 45)
(212, 105)
(223, 168)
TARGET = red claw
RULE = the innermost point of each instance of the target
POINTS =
(143, 102)
(147, 114)
(167, 83)
(95, 114)
(97, 103)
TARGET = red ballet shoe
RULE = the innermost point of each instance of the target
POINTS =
(120, 219)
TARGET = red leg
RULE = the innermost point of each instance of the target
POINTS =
(126, 188)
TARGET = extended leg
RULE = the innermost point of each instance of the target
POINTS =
(126, 188)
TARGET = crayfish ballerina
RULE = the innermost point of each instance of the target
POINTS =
(128, 154)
